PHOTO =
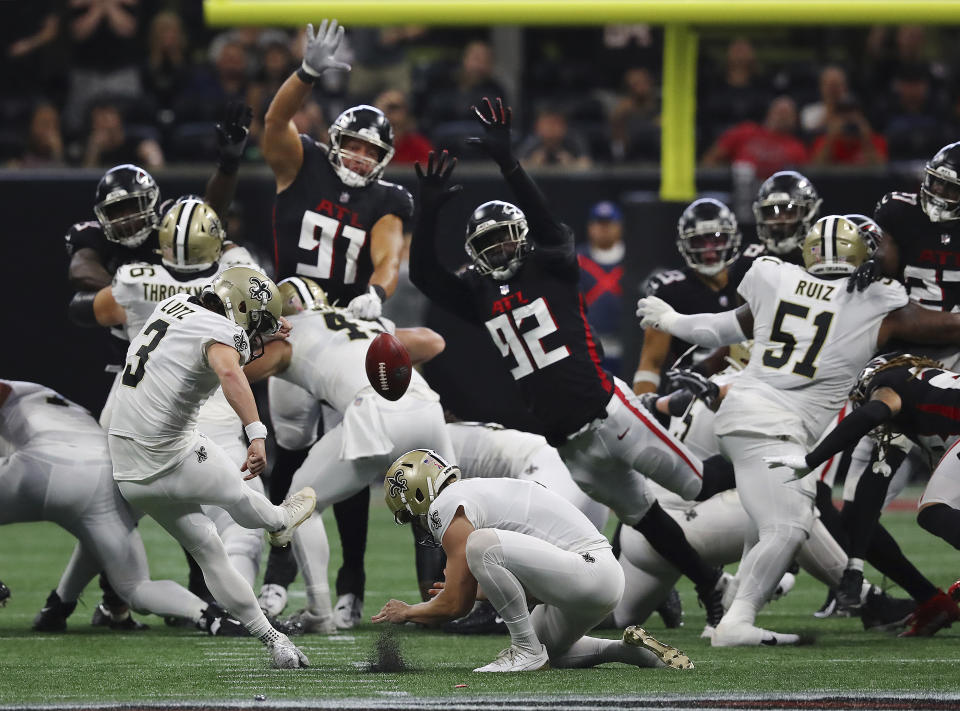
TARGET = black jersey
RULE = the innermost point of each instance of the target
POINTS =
(929, 251)
(321, 227)
(537, 318)
(930, 401)
(112, 254)
(688, 294)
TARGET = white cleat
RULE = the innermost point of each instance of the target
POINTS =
(747, 635)
(297, 508)
(708, 631)
(273, 599)
(314, 623)
(348, 611)
(514, 659)
(286, 655)
(784, 586)
(670, 656)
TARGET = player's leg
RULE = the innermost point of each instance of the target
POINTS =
(940, 503)
(646, 584)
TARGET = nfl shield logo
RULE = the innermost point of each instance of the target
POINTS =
(504, 289)
(944, 239)
(344, 197)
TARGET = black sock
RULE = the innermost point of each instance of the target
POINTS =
(830, 517)
(286, 462)
(718, 476)
(615, 543)
(281, 567)
(352, 516)
(943, 521)
(669, 540)
(195, 581)
(860, 516)
(110, 597)
(885, 555)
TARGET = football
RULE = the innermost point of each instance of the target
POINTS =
(388, 366)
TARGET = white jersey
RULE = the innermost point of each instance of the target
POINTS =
(514, 505)
(35, 414)
(164, 382)
(811, 338)
(490, 451)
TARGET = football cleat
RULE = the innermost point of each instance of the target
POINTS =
(102, 617)
(953, 592)
(53, 616)
(881, 611)
(348, 611)
(514, 659)
(217, 622)
(312, 622)
(829, 606)
(937, 612)
(273, 599)
(670, 656)
(297, 508)
(747, 635)
(849, 602)
(784, 586)
(286, 655)
(482, 619)
(671, 610)
(712, 598)
(4, 594)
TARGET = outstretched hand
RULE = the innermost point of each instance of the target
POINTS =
(318, 54)
(864, 276)
(232, 131)
(435, 188)
(701, 387)
(796, 462)
(496, 140)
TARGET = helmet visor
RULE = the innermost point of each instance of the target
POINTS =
(942, 187)
(709, 248)
(128, 217)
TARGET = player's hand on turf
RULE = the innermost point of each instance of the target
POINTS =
(702, 388)
(232, 131)
(796, 462)
(318, 53)
(864, 276)
(654, 312)
(435, 188)
(394, 611)
(256, 461)
(366, 306)
(496, 140)
(436, 588)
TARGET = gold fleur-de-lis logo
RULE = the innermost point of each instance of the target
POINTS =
(259, 290)
(398, 484)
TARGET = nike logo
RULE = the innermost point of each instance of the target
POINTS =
(769, 641)
(621, 436)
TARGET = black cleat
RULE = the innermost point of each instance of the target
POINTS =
(829, 606)
(290, 627)
(53, 616)
(4, 594)
(483, 619)
(671, 610)
(712, 600)
(123, 622)
(880, 611)
(215, 621)
(849, 593)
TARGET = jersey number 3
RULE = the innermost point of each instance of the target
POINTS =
(132, 376)
(319, 232)
(526, 348)
(799, 336)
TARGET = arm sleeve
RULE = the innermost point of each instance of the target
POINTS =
(544, 227)
(709, 330)
(849, 431)
(431, 277)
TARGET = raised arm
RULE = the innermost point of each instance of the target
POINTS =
(232, 132)
(916, 324)
(709, 330)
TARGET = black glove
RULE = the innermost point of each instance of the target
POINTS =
(435, 189)
(496, 132)
(701, 387)
(232, 132)
(864, 276)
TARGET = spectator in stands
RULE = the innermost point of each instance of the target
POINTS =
(44, 144)
(768, 147)
(109, 143)
(380, 60)
(601, 277)
(814, 117)
(409, 145)
(635, 120)
(848, 138)
(552, 143)
(739, 94)
(105, 54)
(311, 120)
(913, 129)
(471, 83)
(910, 49)
(167, 68)
(28, 38)
(275, 64)
(211, 87)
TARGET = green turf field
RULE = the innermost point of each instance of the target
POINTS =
(89, 666)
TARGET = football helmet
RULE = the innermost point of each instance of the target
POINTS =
(413, 481)
(497, 239)
(191, 236)
(126, 205)
(835, 246)
(869, 230)
(300, 294)
(940, 191)
(708, 237)
(364, 123)
(785, 208)
(247, 297)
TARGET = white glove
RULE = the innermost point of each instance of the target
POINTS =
(654, 312)
(797, 462)
(320, 48)
(366, 306)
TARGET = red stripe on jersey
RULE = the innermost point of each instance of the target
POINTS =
(664, 437)
(592, 349)
(826, 467)
(276, 247)
(952, 413)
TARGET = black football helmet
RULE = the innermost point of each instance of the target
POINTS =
(786, 207)
(940, 191)
(708, 237)
(126, 206)
(368, 124)
(869, 230)
(497, 239)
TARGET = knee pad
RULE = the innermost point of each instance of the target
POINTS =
(483, 547)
